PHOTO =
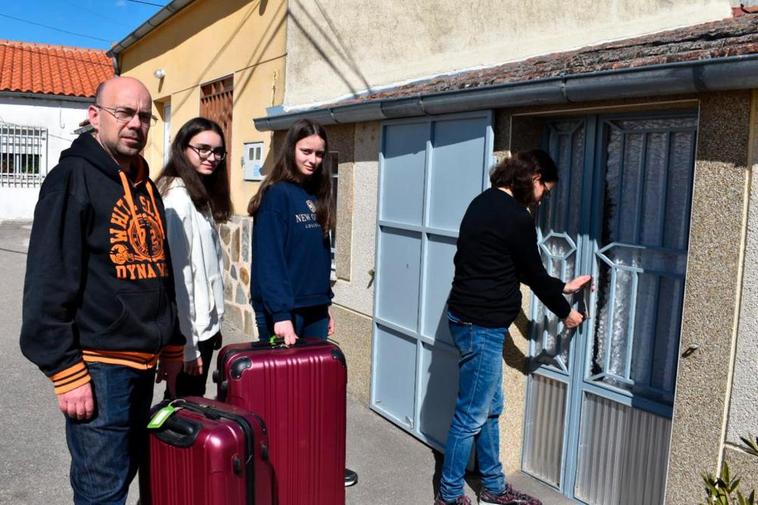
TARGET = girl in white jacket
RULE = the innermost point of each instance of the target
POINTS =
(195, 189)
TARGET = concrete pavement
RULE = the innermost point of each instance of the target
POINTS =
(393, 467)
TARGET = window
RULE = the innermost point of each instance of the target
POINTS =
(22, 153)
(216, 103)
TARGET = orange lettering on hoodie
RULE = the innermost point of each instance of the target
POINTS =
(137, 237)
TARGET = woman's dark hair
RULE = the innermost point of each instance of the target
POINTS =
(204, 190)
(517, 174)
(285, 169)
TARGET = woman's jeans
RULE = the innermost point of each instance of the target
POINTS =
(107, 449)
(479, 404)
(308, 322)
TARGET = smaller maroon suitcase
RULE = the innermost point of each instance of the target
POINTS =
(209, 453)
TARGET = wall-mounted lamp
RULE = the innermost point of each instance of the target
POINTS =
(159, 73)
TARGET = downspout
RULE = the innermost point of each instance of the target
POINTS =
(114, 60)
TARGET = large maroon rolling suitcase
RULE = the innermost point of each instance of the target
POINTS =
(300, 392)
(208, 453)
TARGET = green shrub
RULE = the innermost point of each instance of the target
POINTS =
(724, 489)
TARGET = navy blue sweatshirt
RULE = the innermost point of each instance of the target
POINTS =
(291, 260)
(497, 248)
(98, 279)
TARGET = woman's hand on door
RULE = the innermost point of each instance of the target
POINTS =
(573, 320)
(576, 284)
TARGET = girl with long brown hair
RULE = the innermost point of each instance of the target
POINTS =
(294, 214)
(195, 189)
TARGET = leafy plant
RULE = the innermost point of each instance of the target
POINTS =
(751, 443)
(724, 489)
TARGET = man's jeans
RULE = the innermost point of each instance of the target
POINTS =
(479, 404)
(107, 449)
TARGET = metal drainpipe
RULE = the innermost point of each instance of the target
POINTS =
(114, 59)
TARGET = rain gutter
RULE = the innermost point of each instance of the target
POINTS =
(716, 74)
(142, 30)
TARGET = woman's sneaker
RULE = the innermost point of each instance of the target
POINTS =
(461, 500)
(508, 497)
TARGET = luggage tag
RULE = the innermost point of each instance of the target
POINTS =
(163, 414)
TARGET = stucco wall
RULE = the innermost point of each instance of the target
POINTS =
(338, 48)
(355, 251)
(357, 293)
(207, 41)
(743, 415)
(711, 294)
(61, 118)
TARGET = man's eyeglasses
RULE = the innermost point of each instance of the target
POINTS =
(205, 152)
(124, 114)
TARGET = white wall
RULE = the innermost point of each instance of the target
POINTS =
(337, 48)
(61, 118)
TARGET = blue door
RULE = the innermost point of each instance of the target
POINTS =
(599, 400)
(429, 172)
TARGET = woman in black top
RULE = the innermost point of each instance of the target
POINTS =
(497, 250)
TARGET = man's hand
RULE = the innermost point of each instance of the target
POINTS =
(285, 330)
(78, 403)
(168, 370)
(574, 319)
(576, 284)
(194, 367)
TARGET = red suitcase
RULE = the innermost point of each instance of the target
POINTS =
(300, 392)
(209, 453)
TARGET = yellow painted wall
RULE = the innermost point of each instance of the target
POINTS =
(203, 42)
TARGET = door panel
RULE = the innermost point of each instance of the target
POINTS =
(438, 278)
(390, 390)
(546, 412)
(439, 381)
(623, 454)
(403, 164)
(399, 262)
(430, 170)
(627, 223)
(456, 169)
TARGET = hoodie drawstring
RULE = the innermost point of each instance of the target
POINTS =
(130, 200)
(128, 194)
(155, 207)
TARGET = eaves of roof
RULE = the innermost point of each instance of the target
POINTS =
(148, 26)
(714, 56)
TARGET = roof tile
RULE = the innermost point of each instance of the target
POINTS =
(52, 70)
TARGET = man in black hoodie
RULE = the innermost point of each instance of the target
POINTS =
(99, 312)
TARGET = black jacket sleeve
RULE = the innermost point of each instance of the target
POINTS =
(52, 285)
(531, 271)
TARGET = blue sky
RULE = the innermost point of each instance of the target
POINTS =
(90, 23)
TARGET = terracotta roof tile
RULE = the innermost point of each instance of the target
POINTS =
(53, 70)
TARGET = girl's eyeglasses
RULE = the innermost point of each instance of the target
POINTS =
(205, 152)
